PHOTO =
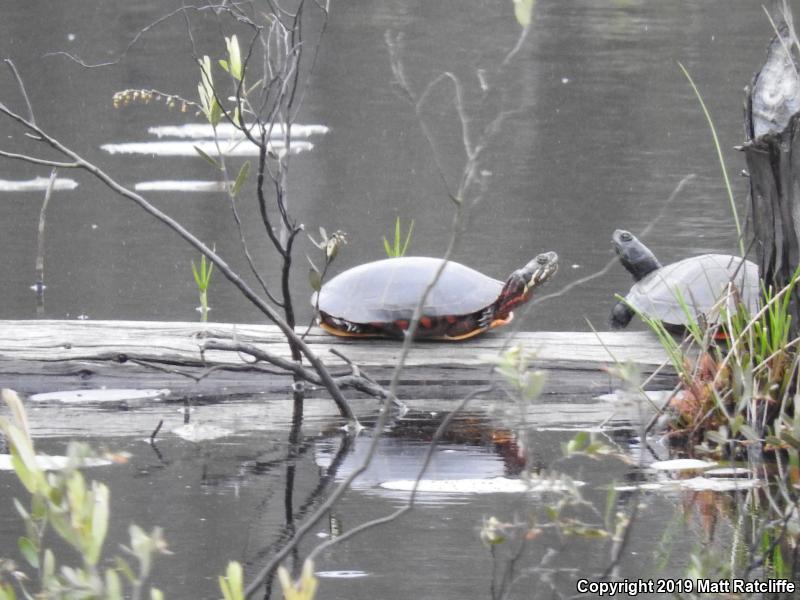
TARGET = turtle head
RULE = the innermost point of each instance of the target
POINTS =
(634, 255)
(521, 283)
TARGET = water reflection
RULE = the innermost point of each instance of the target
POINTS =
(37, 184)
(475, 448)
(208, 147)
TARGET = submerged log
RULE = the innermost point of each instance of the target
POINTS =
(772, 153)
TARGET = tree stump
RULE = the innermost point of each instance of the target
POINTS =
(772, 153)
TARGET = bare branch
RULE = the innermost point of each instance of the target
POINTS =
(39, 161)
(355, 381)
(141, 33)
(229, 273)
(22, 90)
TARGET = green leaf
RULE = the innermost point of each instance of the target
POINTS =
(7, 592)
(124, 568)
(397, 236)
(196, 274)
(533, 384)
(241, 178)
(49, 566)
(205, 90)
(224, 64)
(581, 440)
(716, 437)
(235, 57)
(29, 550)
(790, 439)
(772, 440)
(113, 585)
(204, 155)
(23, 459)
(523, 11)
(14, 403)
(778, 564)
(99, 521)
(156, 594)
(21, 510)
(232, 584)
(585, 531)
(408, 238)
(142, 546)
(315, 279)
(387, 248)
(750, 433)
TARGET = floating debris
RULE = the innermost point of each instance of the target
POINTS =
(682, 464)
(494, 485)
(36, 184)
(100, 395)
(53, 463)
(177, 148)
(180, 186)
(200, 432)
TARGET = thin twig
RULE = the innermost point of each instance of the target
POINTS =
(21, 86)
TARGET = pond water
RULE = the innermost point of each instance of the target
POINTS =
(602, 128)
(227, 498)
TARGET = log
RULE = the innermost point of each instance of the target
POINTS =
(43, 355)
(47, 356)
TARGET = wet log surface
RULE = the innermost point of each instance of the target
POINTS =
(41, 356)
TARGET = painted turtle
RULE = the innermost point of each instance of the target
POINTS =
(378, 298)
(701, 281)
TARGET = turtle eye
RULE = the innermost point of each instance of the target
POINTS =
(626, 236)
(542, 259)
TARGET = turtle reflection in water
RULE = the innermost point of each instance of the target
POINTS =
(378, 299)
(701, 282)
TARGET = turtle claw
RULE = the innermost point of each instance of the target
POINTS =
(486, 318)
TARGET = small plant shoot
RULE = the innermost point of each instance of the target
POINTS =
(202, 279)
(398, 246)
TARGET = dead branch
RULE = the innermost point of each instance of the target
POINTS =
(353, 380)
(194, 241)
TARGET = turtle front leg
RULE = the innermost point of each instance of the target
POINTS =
(621, 315)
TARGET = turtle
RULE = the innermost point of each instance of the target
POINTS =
(699, 281)
(378, 299)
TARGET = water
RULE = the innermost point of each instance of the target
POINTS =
(226, 499)
(604, 128)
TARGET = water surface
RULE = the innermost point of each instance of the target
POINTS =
(602, 127)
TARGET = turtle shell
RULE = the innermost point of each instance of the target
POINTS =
(388, 290)
(701, 281)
